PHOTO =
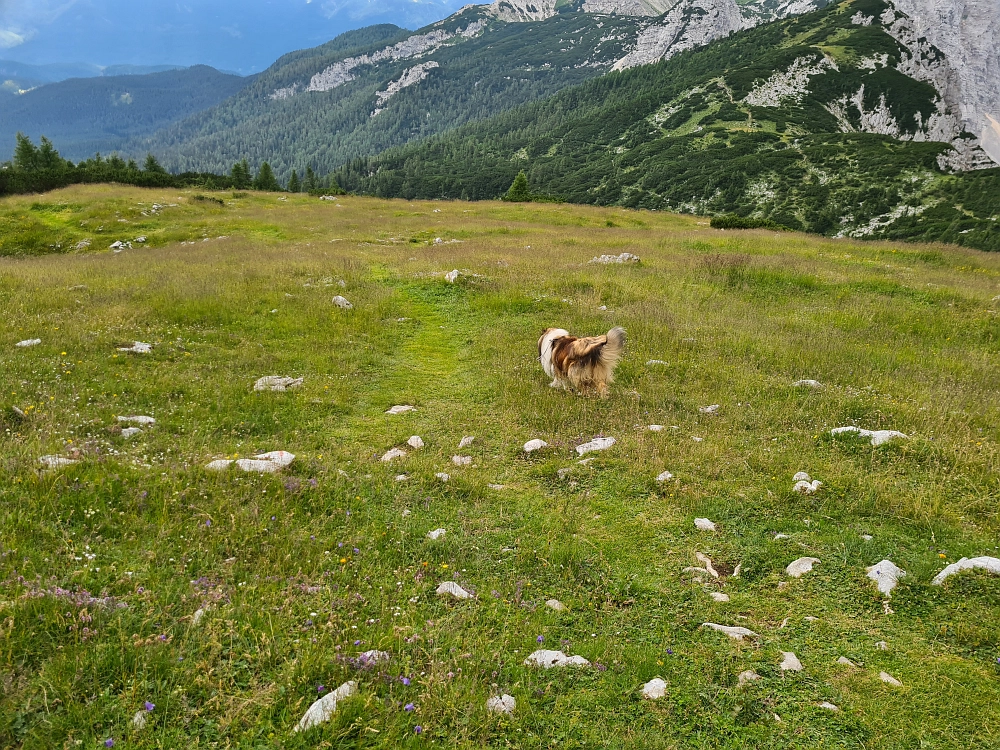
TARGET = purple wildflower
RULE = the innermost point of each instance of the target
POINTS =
(418, 729)
(405, 681)
(320, 689)
(540, 639)
(409, 707)
(109, 742)
(312, 536)
(150, 706)
(357, 551)
(272, 518)
(208, 523)
(340, 544)
(670, 652)
(357, 643)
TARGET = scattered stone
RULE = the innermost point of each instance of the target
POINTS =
(707, 562)
(220, 464)
(83, 244)
(137, 348)
(452, 589)
(277, 383)
(373, 657)
(402, 477)
(452, 276)
(393, 454)
(882, 646)
(556, 605)
(666, 477)
(28, 343)
(709, 409)
(654, 689)
(443, 477)
(597, 444)
(548, 659)
(56, 462)
(266, 463)
(990, 564)
(889, 679)
(810, 618)
(462, 460)
(466, 442)
(698, 573)
(829, 706)
(736, 633)
(704, 524)
(737, 570)
(198, 614)
(138, 419)
(501, 704)
(779, 537)
(406, 512)
(400, 410)
(878, 437)
(415, 442)
(497, 487)
(807, 384)
(535, 445)
(130, 432)
(867, 537)
(698, 439)
(141, 239)
(846, 662)
(801, 566)
(802, 477)
(745, 678)
(610, 259)
(657, 362)
(656, 428)
(804, 487)
(719, 596)
(436, 534)
(139, 720)
(886, 574)
(322, 710)
(790, 662)
(342, 303)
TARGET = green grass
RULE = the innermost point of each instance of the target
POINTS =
(902, 337)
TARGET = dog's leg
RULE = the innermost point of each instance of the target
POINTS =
(555, 384)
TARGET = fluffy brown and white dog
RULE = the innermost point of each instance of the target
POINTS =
(581, 364)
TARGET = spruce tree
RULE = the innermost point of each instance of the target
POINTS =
(266, 180)
(241, 175)
(293, 184)
(311, 183)
(519, 191)
(152, 165)
(26, 156)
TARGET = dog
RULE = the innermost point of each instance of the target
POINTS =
(581, 364)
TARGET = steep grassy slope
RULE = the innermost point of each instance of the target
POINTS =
(82, 116)
(105, 564)
(808, 122)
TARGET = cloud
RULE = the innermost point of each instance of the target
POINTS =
(405, 10)
(10, 39)
(20, 19)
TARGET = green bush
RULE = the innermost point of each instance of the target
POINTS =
(734, 221)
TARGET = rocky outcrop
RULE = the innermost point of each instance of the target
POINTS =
(411, 77)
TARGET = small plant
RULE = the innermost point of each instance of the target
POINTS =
(734, 221)
(209, 199)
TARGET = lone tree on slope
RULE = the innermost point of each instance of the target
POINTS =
(519, 191)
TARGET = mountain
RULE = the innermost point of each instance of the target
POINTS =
(85, 115)
(845, 121)
(381, 87)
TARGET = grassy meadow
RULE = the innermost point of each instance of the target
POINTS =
(104, 563)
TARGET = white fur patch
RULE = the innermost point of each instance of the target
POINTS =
(546, 350)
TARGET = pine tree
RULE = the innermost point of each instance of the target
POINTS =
(311, 183)
(519, 191)
(152, 165)
(26, 156)
(293, 183)
(241, 175)
(266, 180)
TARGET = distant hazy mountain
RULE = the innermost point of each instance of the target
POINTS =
(85, 115)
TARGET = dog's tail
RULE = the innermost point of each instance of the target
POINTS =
(613, 350)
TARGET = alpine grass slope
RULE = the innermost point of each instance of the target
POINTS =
(843, 121)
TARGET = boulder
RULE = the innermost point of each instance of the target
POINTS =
(886, 574)
(790, 662)
(322, 710)
(704, 524)
(277, 383)
(535, 445)
(878, 437)
(436, 534)
(28, 343)
(547, 659)
(415, 442)
(452, 589)
(501, 704)
(393, 454)
(597, 444)
(989, 564)
(654, 689)
(800, 567)
(736, 633)
(342, 303)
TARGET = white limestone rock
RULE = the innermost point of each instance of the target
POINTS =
(415, 442)
(878, 437)
(342, 303)
(393, 454)
(844, 661)
(220, 464)
(707, 562)
(137, 348)
(703, 524)
(535, 445)
(886, 575)
(654, 689)
(597, 444)
(709, 409)
(277, 383)
(462, 460)
(548, 659)
(139, 420)
(401, 409)
(56, 462)
(139, 720)
(616, 259)
(436, 534)
(889, 679)
(443, 477)
(656, 428)
(556, 605)
(501, 704)
(802, 487)
(666, 477)
(411, 77)
(746, 677)
(130, 432)
(28, 343)
(466, 442)
(452, 589)
(719, 596)
(266, 463)
(452, 276)
(829, 706)
(736, 633)
(790, 662)
(989, 564)
(807, 384)
(801, 477)
(800, 567)
(322, 710)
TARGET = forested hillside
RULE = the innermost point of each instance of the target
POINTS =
(84, 115)
(807, 122)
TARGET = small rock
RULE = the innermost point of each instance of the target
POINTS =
(704, 524)
(878, 437)
(198, 614)
(989, 564)
(496, 487)
(140, 239)
(666, 477)
(436, 534)
(535, 445)
(452, 589)
(462, 460)
(220, 464)
(779, 537)
(443, 477)
(402, 477)
(266, 463)
(745, 678)
(400, 410)
(886, 575)
(137, 348)
(130, 432)
(139, 720)
(800, 567)
(556, 605)
(548, 659)
(415, 442)
(654, 689)
(656, 428)
(698, 439)
(452, 276)
(597, 444)
(501, 704)
(790, 662)
(616, 259)
(736, 633)
(846, 662)
(466, 442)
(321, 711)
(807, 384)
(707, 562)
(373, 657)
(28, 343)
(829, 706)
(406, 512)
(56, 462)
(889, 679)
(802, 477)
(393, 454)
(342, 303)
(867, 537)
(803, 487)
(657, 362)
(140, 420)
(719, 596)
(882, 646)
(709, 409)
(277, 383)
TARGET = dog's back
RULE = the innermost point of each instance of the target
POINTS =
(581, 363)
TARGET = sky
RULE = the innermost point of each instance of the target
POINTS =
(245, 36)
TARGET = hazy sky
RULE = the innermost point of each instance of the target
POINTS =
(242, 35)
